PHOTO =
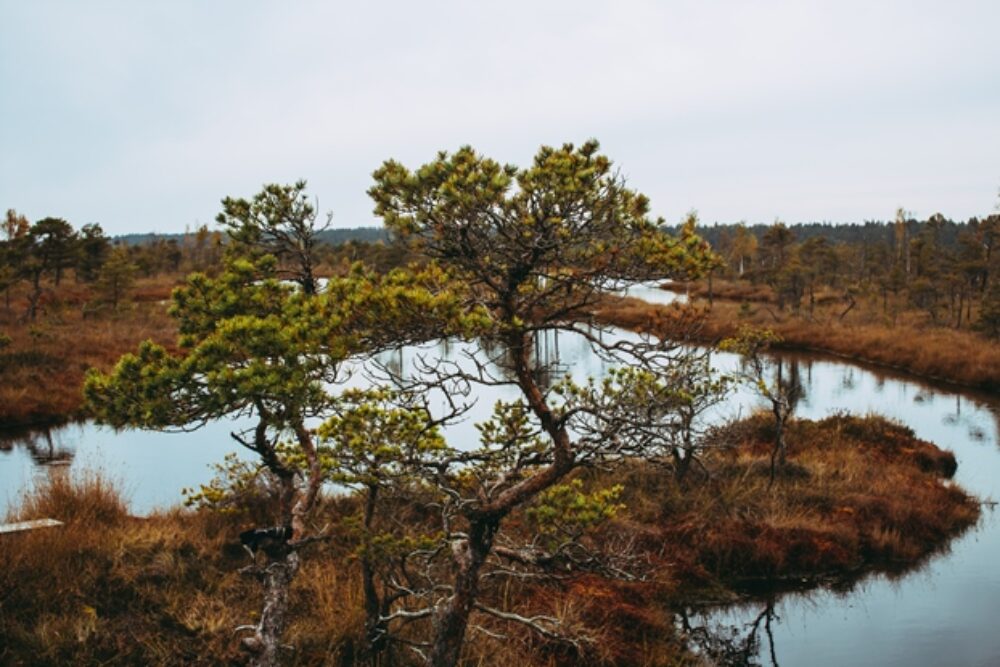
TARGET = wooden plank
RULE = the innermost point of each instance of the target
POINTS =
(28, 525)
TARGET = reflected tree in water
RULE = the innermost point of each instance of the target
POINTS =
(734, 645)
(42, 445)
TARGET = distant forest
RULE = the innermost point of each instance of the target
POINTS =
(865, 233)
(331, 236)
(945, 269)
(868, 232)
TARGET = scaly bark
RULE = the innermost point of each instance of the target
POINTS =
(265, 645)
(451, 618)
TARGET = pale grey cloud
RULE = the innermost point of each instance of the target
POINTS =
(142, 115)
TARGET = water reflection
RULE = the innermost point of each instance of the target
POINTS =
(800, 623)
(730, 645)
(26, 455)
(789, 384)
(951, 603)
(46, 446)
(829, 385)
(548, 366)
(847, 382)
(158, 465)
(941, 613)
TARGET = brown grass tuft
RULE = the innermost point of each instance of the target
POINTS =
(85, 498)
(863, 492)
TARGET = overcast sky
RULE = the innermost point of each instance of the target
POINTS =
(142, 115)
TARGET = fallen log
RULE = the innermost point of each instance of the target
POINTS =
(28, 525)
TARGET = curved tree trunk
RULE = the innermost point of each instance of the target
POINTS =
(276, 577)
(265, 644)
(451, 618)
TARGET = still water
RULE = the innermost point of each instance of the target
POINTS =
(944, 613)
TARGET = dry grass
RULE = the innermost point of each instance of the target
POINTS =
(107, 588)
(858, 493)
(951, 355)
(738, 290)
(42, 369)
(911, 344)
(86, 498)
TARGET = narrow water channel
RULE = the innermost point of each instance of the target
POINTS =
(943, 613)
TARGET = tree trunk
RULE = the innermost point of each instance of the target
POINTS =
(376, 633)
(778, 455)
(276, 578)
(35, 297)
(779, 442)
(265, 644)
(308, 284)
(682, 464)
(906, 243)
(850, 306)
(451, 618)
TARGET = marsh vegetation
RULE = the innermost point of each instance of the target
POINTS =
(493, 505)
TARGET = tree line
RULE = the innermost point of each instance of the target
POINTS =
(42, 254)
(949, 271)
